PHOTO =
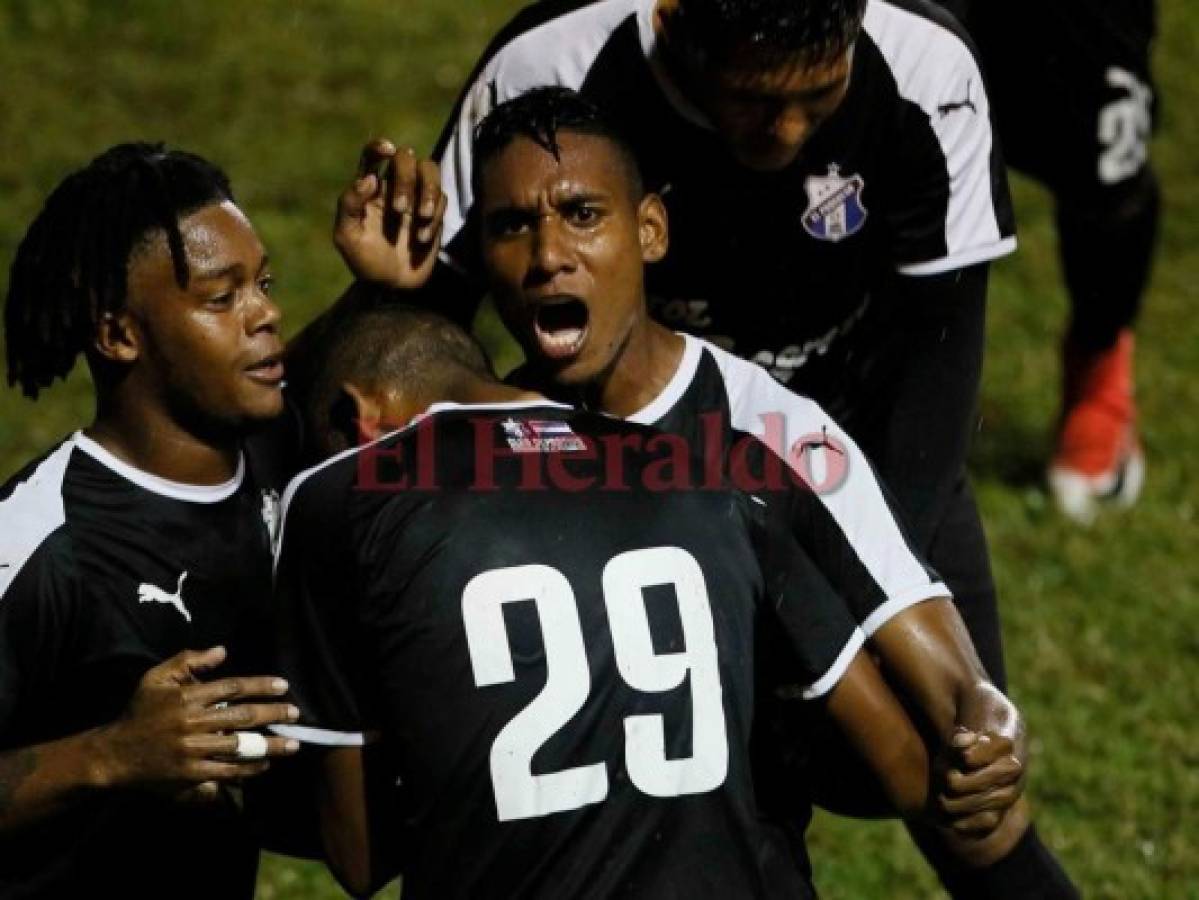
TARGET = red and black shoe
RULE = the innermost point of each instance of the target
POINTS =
(1098, 460)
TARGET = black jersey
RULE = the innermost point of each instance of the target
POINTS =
(904, 177)
(553, 636)
(837, 508)
(106, 571)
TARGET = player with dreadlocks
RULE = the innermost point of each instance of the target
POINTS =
(141, 540)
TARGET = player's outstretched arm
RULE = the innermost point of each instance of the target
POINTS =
(177, 735)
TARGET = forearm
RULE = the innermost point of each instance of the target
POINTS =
(40, 781)
(876, 726)
(358, 829)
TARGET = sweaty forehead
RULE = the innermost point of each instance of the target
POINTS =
(524, 171)
(217, 236)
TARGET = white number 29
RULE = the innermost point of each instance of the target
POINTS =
(519, 794)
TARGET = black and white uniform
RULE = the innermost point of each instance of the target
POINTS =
(855, 276)
(1076, 107)
(554, 639)
(106, 571)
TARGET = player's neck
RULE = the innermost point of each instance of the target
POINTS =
(472, 390)
(148, 439)
(640, 373)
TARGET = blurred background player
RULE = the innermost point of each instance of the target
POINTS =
(140, 540)
(1075, 104)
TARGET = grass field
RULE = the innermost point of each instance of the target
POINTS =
(1100, 625)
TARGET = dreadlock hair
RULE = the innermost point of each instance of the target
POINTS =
(540, 115)
(70, 269)
(381, 346)
(768, 32)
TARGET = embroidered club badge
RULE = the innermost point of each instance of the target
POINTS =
(835, 210)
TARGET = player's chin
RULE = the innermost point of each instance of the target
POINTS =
(260, 403)
(773, 158)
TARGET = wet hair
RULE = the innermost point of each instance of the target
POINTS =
(70, 270)
(541, 115)
(767, 31)
(379, 346)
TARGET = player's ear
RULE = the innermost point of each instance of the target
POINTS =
(118, 338)
(652, 228)
(368, 413)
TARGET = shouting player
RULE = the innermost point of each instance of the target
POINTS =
(565, 230)
(1075, 104)
(140, 540)
(552, 639)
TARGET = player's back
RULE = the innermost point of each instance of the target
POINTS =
(556, 645)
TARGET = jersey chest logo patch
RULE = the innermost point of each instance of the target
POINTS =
(535, 436)
(149, 593)
(835, 210)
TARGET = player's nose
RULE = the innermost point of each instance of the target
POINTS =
(790, 126)
(551, 248)
(263, 314)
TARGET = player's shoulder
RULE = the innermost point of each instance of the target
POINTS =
(552, 42)
(753, 392)
(34, 537)
(926, 49)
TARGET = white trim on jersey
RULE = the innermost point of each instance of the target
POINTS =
(176, 490)
(934, 69)
(857, 506)
(32, 512)
(837, 670)
(673, 392)
(324, 737)
(294, 485)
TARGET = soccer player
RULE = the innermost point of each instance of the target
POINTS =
(835, 195)
(566, 229)
(1075, 105)
(141, 540)
(552, 638)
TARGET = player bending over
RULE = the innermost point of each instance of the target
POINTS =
(553, 648)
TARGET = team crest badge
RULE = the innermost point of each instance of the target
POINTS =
(534, 436)
(835, 209)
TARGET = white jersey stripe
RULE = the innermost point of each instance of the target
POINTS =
(934, 69)
(857, 506)
(32, 512)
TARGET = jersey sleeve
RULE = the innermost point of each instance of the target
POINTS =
(38, 603)
(819, 637)
(839, 511)
(949, 206)
(316, 616)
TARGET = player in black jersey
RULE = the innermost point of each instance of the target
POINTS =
(566, 229)
(835, 196)
(1075, 106)
(135, 556)
(554, 645)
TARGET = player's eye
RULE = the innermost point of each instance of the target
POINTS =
(582, 215)
(221, 301)
(266, 284)
(507, 223)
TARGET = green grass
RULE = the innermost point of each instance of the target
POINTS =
(1100, 625)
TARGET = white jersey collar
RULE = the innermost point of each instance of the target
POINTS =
(679, 382)
(176, 490)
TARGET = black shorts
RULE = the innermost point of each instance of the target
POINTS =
(1071, 88)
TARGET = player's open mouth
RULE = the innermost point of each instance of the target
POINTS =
(268, 371)
(560, 327)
